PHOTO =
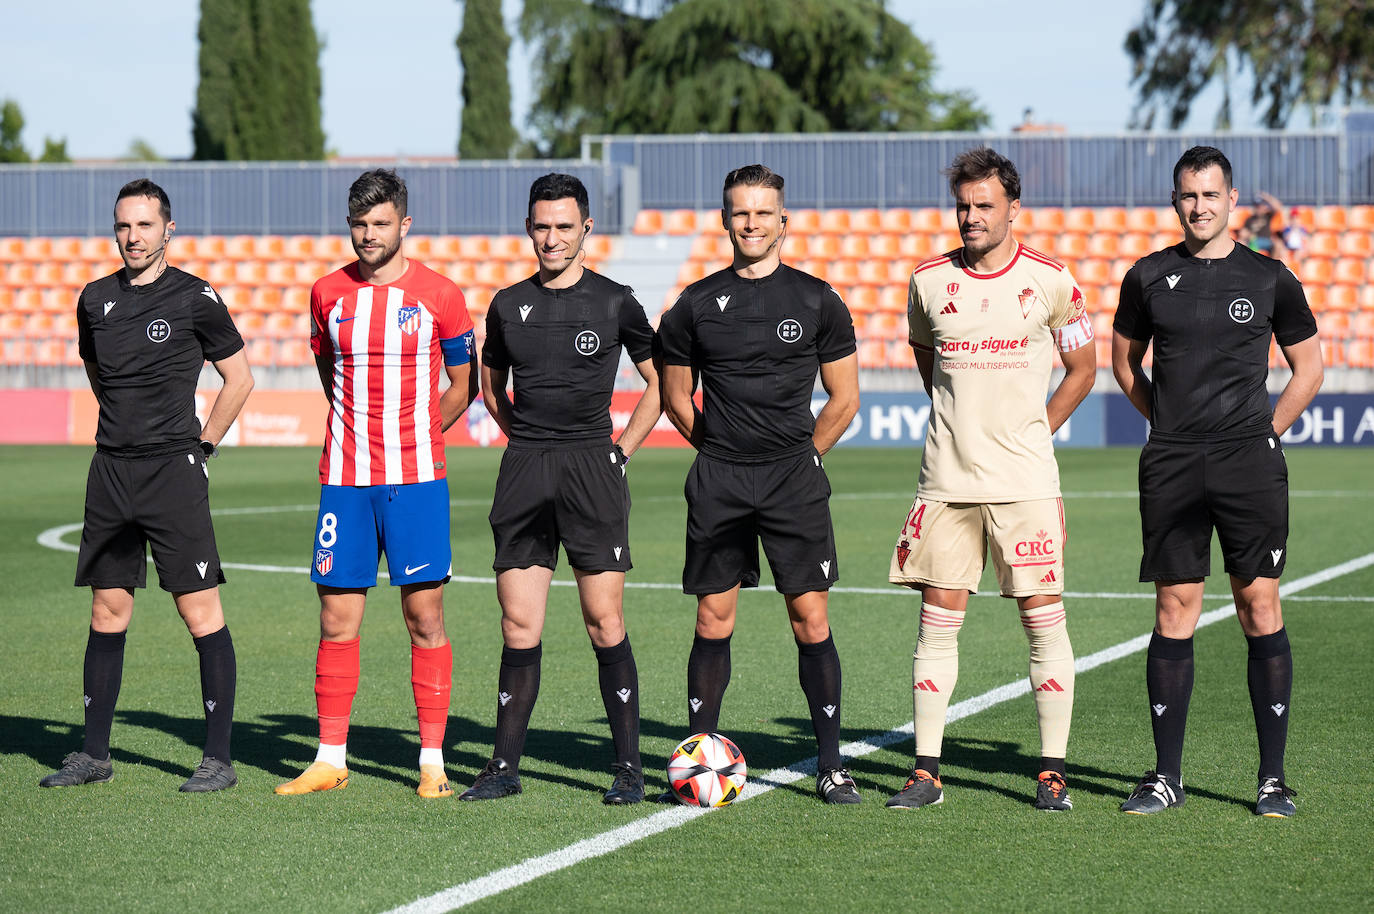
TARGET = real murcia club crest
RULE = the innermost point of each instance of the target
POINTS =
(1027, 300)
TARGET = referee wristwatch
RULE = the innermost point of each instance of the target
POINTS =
(208, 449)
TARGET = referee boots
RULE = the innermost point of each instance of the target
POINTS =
(1275, 799)
(80, 768)
(1155, 793)
(211, 774)
(626, 787)
(835, 786)
(496, 780)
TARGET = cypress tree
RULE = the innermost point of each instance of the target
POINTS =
(259, 91)
(483, 49)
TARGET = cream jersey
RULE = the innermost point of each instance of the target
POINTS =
(990, 335)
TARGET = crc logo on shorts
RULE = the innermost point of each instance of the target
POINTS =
(587, 342)
(159, 331)
(324, 561)
(1040, 547)
(1241, 310)
(789, 331)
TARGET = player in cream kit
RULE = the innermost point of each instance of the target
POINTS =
(984, 320)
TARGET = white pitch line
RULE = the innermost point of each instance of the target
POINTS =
(607, 842)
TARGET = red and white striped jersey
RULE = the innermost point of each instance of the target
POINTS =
(388, 344)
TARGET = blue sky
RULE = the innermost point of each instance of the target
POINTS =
(101, 75)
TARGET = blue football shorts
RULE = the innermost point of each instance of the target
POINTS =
(356, 525)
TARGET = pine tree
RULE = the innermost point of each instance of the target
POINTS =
(11, 133)
(483, 50)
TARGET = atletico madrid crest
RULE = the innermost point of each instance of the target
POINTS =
(408, 319)
(324, 561)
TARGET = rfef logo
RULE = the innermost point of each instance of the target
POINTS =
(587, 342)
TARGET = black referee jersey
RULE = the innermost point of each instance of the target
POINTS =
(562, 346)
(148, 344)
(1210, 322)
(758, 344)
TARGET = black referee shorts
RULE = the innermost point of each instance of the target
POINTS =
(575, 495)
(132, 503)
(731, 506)
(1238, 487)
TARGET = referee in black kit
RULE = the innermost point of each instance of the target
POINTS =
(756, 333)
(1210, 307)
(562, 480)
(145, 333)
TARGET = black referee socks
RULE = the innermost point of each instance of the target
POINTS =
(1169, 683)
(619, 679)
(218, 682)
(101, 675)
(708, 673)
(517, 689)
(818, 669)
(1269, 671)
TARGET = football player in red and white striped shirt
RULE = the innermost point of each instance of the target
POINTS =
(384, 329)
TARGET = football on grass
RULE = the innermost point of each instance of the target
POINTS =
(706, 770)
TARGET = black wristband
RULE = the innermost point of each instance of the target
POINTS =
(208, 449)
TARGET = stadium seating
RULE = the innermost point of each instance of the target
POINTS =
(867, 254)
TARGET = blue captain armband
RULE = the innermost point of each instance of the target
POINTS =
(459, 349)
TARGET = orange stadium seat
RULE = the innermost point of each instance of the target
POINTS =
(331, 248)
(66, 249)
(298, 247)
(915, 248)
(6, 299)
(1359, 353)
(203, 247)
(899, 274)
(895, 220)
(50, 352)
(930, 220)
(239, 247)
(708, 222)
(1092, 271)
(219, 273)
(885, 246)
(1070, 246)
(1134, 245)
(266, 299)
(518, 270)
(478, 299)
(1103, 244)
(280, 272)
(1315, 271)
(1047, 219)
(1110, 219)
(38, 325)
(57, 299)
(873, 272)
(648, 222)
(510, 247)
(1341, 298)
(1365, 296)
(869, 221)
(236, 298)
(462, 273)
(1329, 219)
(11, 324)
(1362, 324)
(1322, 244)
(19, 274)
(251, 324)
(269, 247)
(1140, 219)
(835, 221)
(37, 249)
(491, 273)
(280, 325)
(77, 273)
(27, 299)
(704, 249)
(803, 221)
(294, 352)
(47, 274)
(1079, 219)
(11, 249)
(823, 247)
(445, 247)
(841, 273)
(862, 299)
(1349, 270)
(1355, 244)
(476, 247)
(944, 242)
(18, 351)
(295, 299)
(250, 272)
(64, 324)
(1333, 324)
(261, 351)
(854, 246)
(1161, 240)
(1039, 241)
(681, 222)
(598, 247)
(420, 247)
(1316, 297)
(1360, 218)
(884, 325)
(691, 271)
